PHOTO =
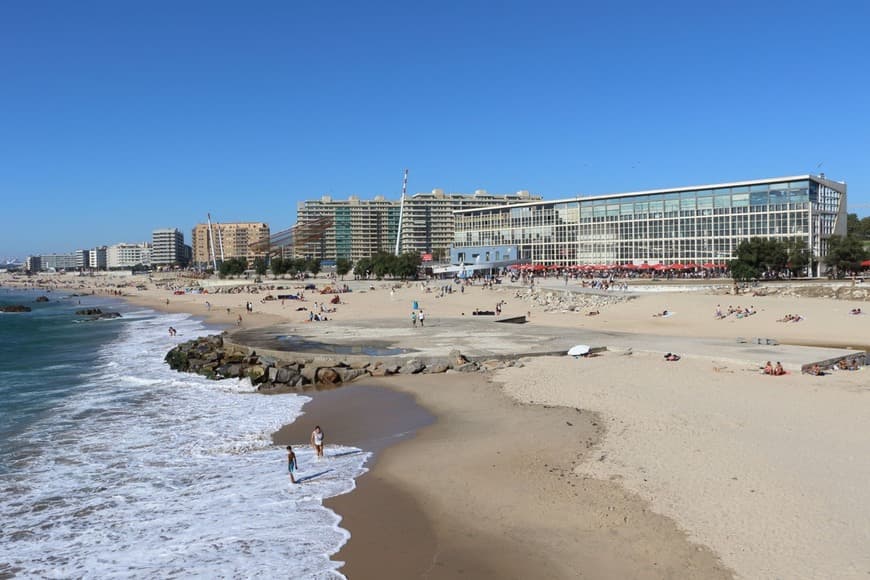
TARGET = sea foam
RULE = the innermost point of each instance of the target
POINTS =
(150, 473)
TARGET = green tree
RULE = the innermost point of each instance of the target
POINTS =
(277, 266)
(232, 267)
(343, 266)
(260, 266)
(762, 254)
(743, 271)
(363, 268)
(845, 254)
(312, 265)
(407, 265)
(799, 255)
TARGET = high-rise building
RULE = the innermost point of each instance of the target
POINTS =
(231, 240)
(125, 255)
(97, 258)
(685, 225)
(428, 222)
(33, 264)
(362, 228)
(58, 261)
(83, 260)
(167, 247)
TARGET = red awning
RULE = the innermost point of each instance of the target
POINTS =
(866, 263)
(644, 266)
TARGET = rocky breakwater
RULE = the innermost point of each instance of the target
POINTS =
(214, 358)
(15, 308)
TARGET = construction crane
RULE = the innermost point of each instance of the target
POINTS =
(211, 240)
(401, 211)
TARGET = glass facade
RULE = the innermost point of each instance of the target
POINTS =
(691, 225)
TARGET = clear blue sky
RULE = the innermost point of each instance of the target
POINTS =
(120, 117)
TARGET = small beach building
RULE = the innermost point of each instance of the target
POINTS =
(684, 225)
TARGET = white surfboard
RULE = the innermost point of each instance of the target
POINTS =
(578, 350)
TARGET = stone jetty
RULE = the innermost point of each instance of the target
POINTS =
(216, 358)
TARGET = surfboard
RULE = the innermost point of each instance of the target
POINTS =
(578, 350)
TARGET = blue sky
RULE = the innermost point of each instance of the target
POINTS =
(119, 117)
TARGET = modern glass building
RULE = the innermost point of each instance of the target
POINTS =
(688, 225)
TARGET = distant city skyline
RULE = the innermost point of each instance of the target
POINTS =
(120, 119)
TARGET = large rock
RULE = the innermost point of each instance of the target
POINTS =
(456, 358)
(309, 373)
(285, 375)
(42, 299)
(15, 308)
(89, 312)
(328, 376)
(257, 374)
(348, 375)
(412, 367)
(467, 367)
(437, 367)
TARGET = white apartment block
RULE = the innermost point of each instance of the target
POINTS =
(97, 258)
(126, 255)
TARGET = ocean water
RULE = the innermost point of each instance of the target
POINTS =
(112, 465)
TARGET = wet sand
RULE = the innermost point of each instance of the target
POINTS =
(488, 491)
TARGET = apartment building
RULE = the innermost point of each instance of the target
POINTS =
(126, 255)
(167, 247)
(231, 240)
(97, 258)
(362, 228)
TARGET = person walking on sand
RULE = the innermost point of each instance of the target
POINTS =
(422, 318)
(291, 463)
(317, 440)
(414, 318)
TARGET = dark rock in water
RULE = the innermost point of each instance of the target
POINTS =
(98, 314)
(15, 308)
(42, 299)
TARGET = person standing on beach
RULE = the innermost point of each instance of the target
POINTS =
(422, 318)
(414, 318)
(291, 463)
(317, 440)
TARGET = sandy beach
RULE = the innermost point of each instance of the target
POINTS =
(603, 467)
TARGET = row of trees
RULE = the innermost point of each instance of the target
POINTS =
(384, 264)
(292, 266)
(858, 227)
(760, 257)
